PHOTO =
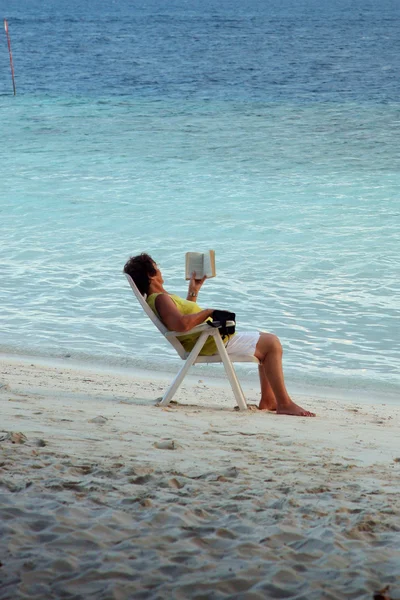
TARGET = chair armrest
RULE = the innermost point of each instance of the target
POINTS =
(218, 324)
(197, 329)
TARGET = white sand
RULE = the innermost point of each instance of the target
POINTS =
(230, 505)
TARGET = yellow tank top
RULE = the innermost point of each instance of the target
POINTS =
(186, 307)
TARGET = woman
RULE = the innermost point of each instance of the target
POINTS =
(181, 315)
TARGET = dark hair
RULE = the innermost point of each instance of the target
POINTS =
(141, 268)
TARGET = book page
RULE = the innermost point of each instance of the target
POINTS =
(202, 264)
(194, 262)
(209, 264)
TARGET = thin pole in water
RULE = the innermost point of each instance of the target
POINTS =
(10, 53)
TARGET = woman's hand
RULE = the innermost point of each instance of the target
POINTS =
(194, 287)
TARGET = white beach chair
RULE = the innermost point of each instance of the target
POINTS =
(193, 357)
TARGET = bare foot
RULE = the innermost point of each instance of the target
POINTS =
(293, 409)
(268, 404)
(266, 407)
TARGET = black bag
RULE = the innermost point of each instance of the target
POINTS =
(220, 319)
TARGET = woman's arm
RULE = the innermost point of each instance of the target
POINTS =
(194, 287)
(175, 320)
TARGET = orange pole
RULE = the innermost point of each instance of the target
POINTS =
(10, 53)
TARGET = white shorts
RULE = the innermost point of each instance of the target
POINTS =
(243, 343)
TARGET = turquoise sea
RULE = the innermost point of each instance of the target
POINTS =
(267, 131)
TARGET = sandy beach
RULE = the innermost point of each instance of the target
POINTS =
(105, 495)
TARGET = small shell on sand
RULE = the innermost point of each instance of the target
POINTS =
(15, 437)
(166, 445)
(100, 420)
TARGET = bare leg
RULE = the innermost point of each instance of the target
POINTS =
(268, 400)
(269, 353)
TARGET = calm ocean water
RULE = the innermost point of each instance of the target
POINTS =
(267, 131)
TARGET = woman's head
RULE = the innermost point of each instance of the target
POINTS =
(141, 268)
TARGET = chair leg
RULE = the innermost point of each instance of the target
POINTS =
(230, 371)
(169, 394)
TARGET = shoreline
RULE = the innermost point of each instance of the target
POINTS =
(215, 377)
(136, 388)
(104, 495)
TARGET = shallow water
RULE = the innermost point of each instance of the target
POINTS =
(268, 136)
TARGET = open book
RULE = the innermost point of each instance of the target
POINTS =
(201, 263)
